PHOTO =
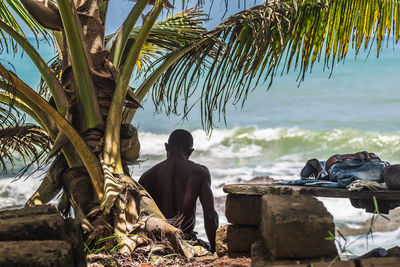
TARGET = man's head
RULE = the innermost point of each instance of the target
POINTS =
(180, 141)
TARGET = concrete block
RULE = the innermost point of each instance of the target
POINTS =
(336, 263)
(41, 223)
(38, 227)
(28, 211)
(235, 239)
(243, 209)
(295, 227)
(380, 262)
(260, 258)
(51, 253)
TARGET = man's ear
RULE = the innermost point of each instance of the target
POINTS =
(190, 152)
(166, 146)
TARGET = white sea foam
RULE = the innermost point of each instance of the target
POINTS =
(354, 225)
(235, 151)
(342, 210)
(266, 134)
(284, 170)
(291, 158)
(16, 192)
(386, 140)
(284, 144)
(204, 143)
(221, 172)
(152, 144)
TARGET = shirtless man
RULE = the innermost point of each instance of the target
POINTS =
(176, 183)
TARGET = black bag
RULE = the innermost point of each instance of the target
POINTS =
(344, 169)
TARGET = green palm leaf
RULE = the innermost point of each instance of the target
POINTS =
(167, 35)
(251, 45)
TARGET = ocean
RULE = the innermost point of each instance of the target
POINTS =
(275, 132)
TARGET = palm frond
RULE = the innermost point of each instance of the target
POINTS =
(55, 66)
(167, 35)
(176, 31)
(251, 45)
(11, 18)
(20, 142)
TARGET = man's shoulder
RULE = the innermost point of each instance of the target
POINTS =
(201, 170)
(197, 166)
(159, 165)
(153, 170)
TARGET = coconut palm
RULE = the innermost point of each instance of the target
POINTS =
(88, 118)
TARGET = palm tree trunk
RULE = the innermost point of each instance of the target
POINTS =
(130, 212)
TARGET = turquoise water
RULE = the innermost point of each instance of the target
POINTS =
(277, 130)
(361, 94)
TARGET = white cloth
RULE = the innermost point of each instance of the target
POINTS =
(359, 185)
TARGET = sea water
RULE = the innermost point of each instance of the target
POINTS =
(275, 132)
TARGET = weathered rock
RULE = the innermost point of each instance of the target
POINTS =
(235, 239)
(258, 254)
(260, 258)
(295, 226)
(394, 252)
(38, 227)
(336, 263)
(380, 262)
(28, 211)
(52, 253)
(243, 209)
(19, 228)
(75, 238)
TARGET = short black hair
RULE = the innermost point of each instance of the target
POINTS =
(181, 138)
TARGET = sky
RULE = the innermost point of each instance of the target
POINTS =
(119, 10)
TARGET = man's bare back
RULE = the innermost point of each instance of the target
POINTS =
(176, 183)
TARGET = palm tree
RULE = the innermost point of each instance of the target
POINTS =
(88, 118)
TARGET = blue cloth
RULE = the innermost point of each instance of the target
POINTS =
(311, 182)
(342, 172)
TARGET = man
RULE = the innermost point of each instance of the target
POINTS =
(176, 183)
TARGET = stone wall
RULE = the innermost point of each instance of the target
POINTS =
(39, 236)
(243, 214)
(283, 227)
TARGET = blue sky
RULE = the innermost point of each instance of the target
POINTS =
(119, 9)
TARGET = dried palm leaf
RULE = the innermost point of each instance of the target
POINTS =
(20, 141)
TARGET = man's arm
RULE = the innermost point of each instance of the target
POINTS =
(210, 215)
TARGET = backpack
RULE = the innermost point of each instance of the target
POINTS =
(344, 169)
